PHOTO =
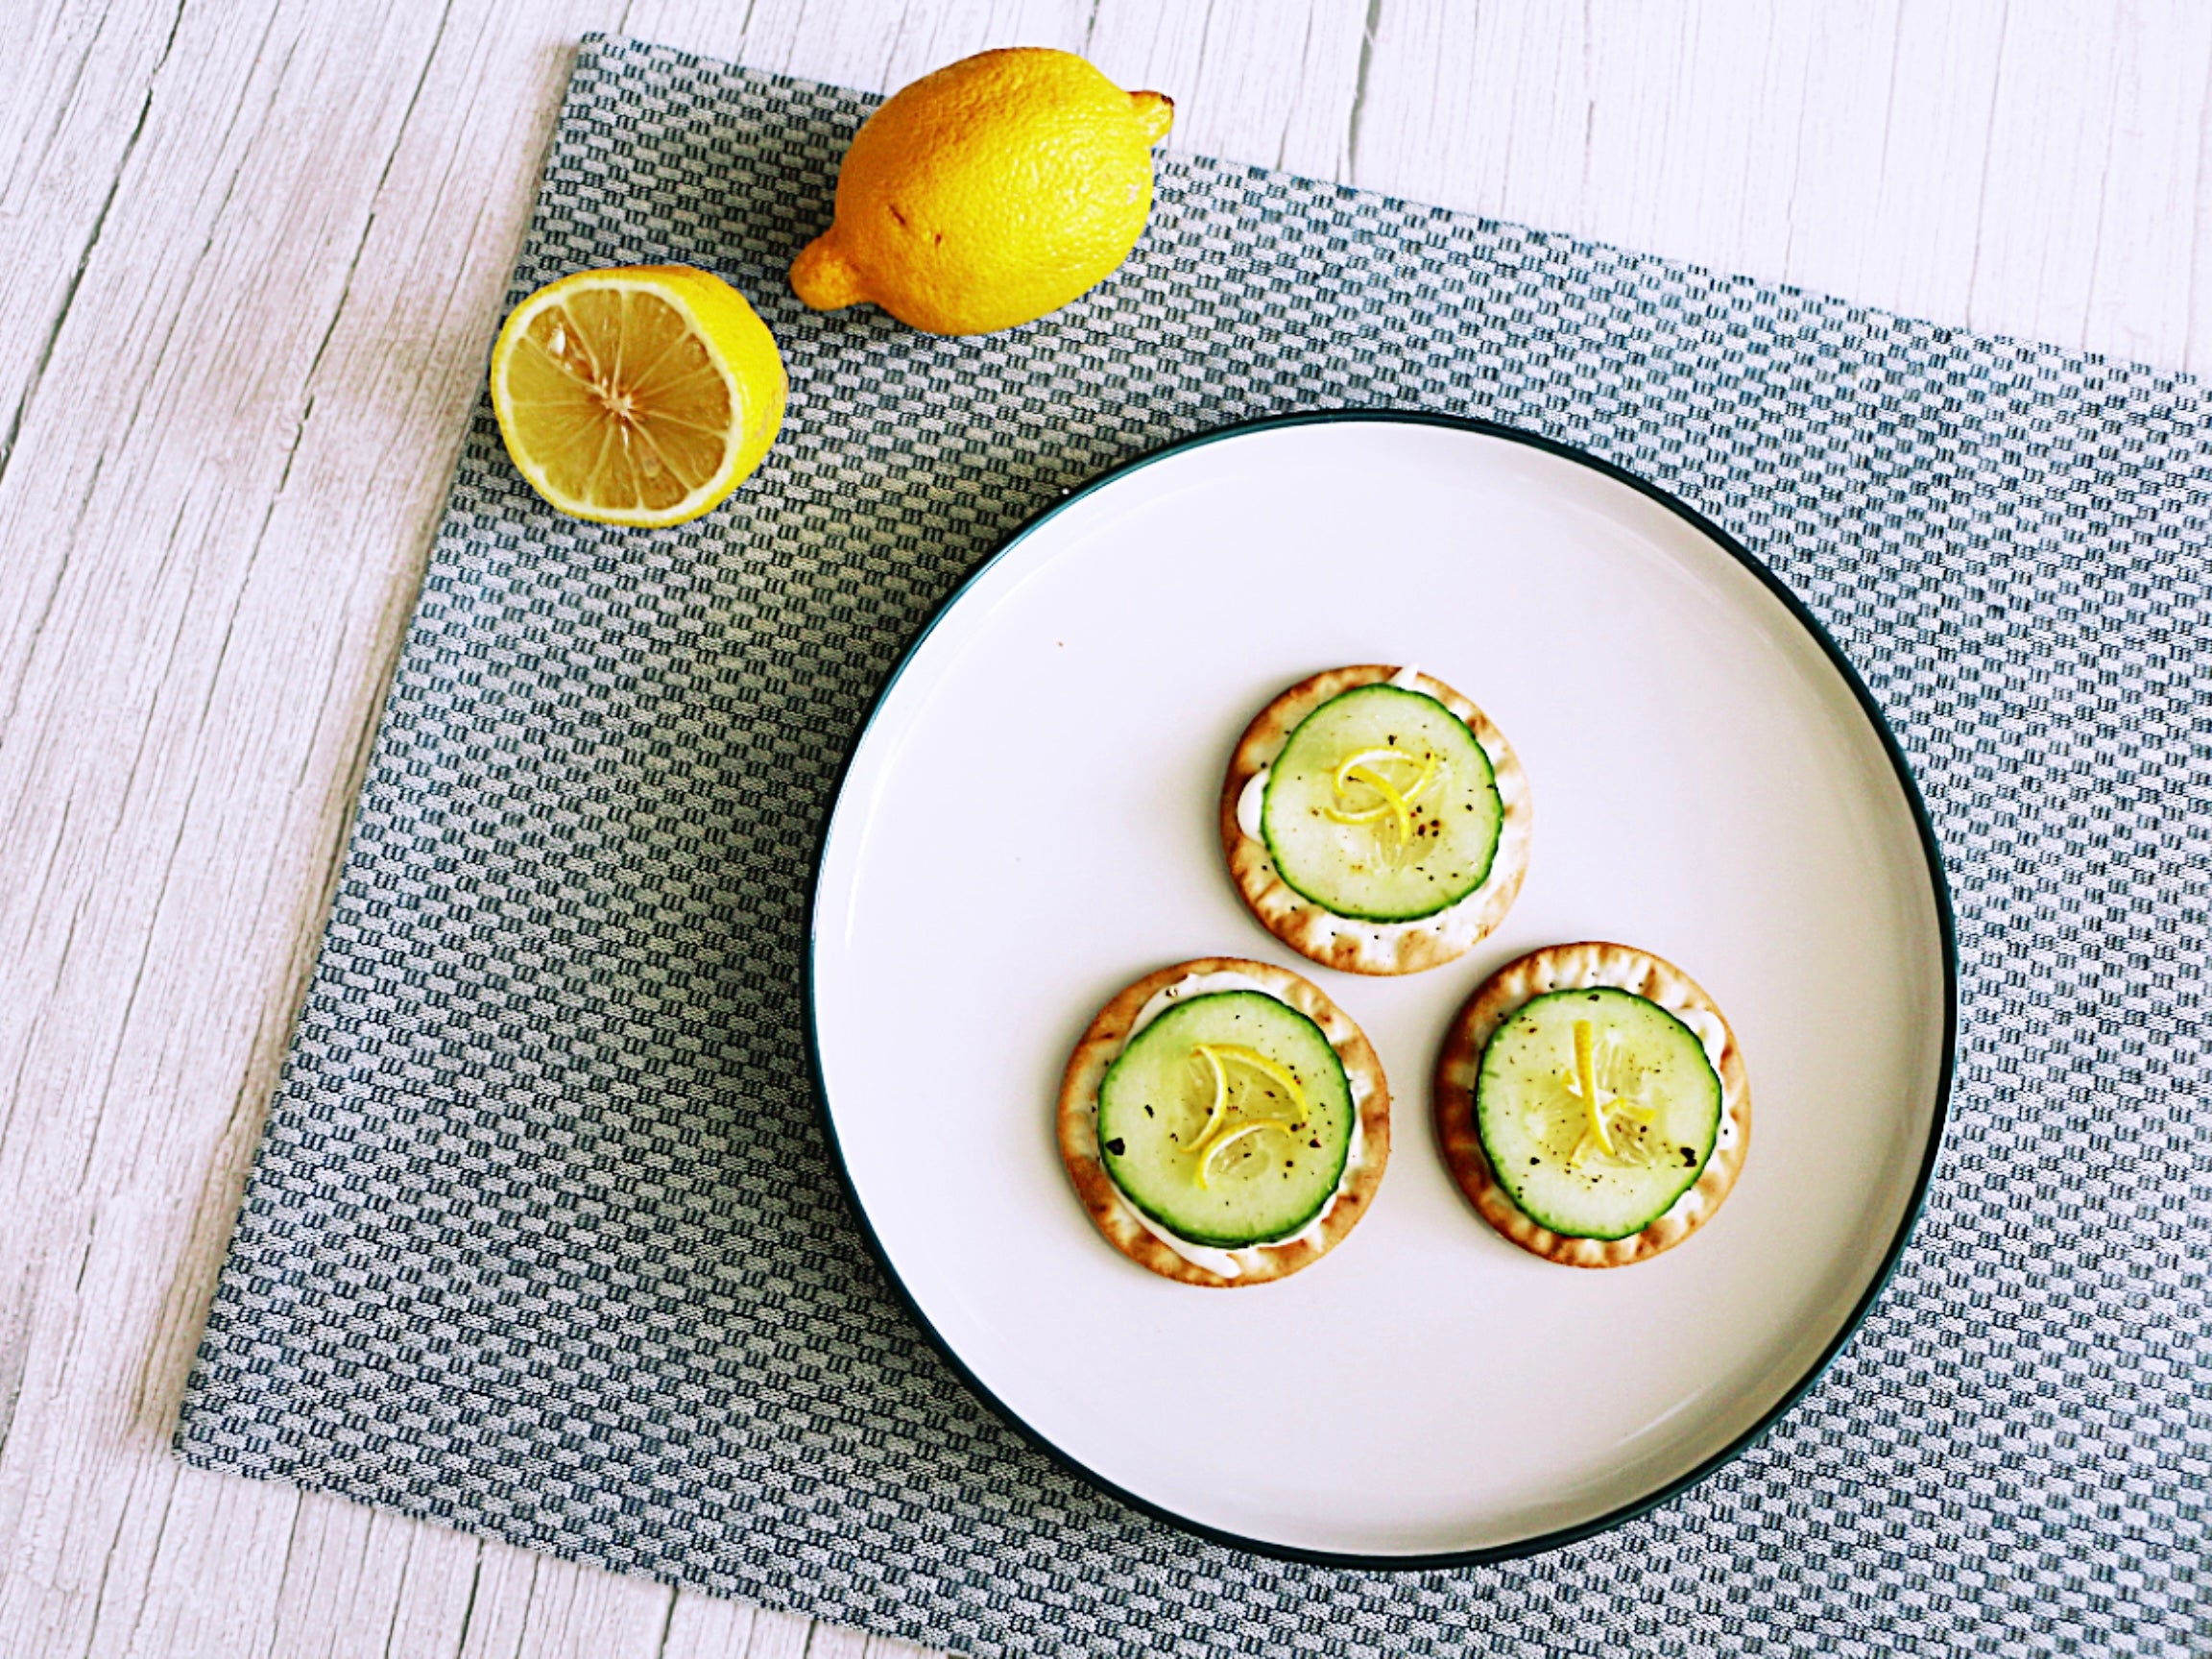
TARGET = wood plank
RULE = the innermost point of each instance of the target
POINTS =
(828, 1642)
(709, 1628)
(1267, 81)
(781, 1636)
(341, 1582)
(505, 1579)
(201, 490)
(75, 87)
(2052, 139)
(2108, 165)
(930, 37)
(2028, 168)
(854, 46)
(1486, 108)
(1886, 206)
(225, 1545)
(581, 1613)
(437, 1594)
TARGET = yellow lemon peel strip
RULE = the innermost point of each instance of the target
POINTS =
(1211, 1139)
(1583, 1084)
(1208, 1142)
(1206, 1052)
(1367, 759)
(1586, 1084)
(1396, 802)
(1360, 768)
(1216, 1053)
(1229, 1138)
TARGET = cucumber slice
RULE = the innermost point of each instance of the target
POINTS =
(1533, 1120)
(1157, 1115)
(1382, 807)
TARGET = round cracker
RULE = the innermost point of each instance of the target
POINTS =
(1575, 967)
(1117, 1218)
(1339, 941)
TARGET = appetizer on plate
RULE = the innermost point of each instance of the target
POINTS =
(1224, 1122)
(1592, 1103)
(1376, 821)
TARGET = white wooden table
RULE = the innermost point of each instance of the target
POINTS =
(251, 257)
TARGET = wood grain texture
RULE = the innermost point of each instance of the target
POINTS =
(75, 90)
(256, 253)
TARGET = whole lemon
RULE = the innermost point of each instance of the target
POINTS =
(987, 194)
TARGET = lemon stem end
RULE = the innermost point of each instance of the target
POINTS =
(1155, 114)
(823, 279)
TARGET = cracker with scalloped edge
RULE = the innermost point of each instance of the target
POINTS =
(1343, 942)
(1502, 995)
(1117, 1218)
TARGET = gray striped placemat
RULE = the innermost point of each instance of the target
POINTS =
(543, 1241)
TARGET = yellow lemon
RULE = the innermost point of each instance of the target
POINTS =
(987, 194)
(637, 396)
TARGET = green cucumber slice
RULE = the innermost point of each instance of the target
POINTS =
(1372, 871)
(1531, 1118)
(1156, 1099)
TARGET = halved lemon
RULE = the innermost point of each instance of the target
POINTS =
(641, 396)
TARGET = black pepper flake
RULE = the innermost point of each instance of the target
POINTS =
(1116, 1146)
(1148, 1111)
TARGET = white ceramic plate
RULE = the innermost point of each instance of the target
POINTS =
(1027, 823)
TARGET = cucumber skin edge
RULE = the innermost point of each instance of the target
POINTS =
(1497, 1168)
(1343, 1163)
(1497, 837)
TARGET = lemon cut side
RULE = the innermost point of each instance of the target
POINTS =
(641, 396)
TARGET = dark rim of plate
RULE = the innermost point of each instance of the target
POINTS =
(1938, 889)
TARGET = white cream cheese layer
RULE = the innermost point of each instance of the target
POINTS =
(1188, 986)
(1225, 1262)
(1231, 1263)
(1713, 1037)
(1252, 802)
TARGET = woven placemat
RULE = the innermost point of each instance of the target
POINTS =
(544, 1243)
